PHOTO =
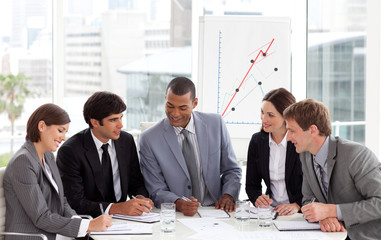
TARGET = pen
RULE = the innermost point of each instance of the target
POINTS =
(133, 197)
(312, 200)
(101, 207)
(186, 199)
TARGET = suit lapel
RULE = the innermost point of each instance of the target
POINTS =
(171, 139)
(331, 161)
(93, 159)
(30, 147)
(202, 139)
(290, 161)
(266, 159)
(314, 183)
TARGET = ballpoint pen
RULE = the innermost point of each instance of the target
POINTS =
(101, 207)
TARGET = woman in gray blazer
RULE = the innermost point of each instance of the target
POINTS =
(34, 195)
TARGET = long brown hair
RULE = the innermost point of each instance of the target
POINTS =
(281, 98)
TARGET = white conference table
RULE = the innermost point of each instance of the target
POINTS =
(183, 232)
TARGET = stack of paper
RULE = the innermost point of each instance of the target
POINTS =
(212, 213)
(126, 228)
(295, 225)
(145, 217)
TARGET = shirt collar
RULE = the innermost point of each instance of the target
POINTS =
(190, 127)
(321, 156)
(282, 143)
(98, 143)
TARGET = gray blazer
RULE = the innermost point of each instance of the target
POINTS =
(354, 183)
(32, 203)
(164, 169)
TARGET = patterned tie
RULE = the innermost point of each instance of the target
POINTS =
(190, 160)
(319, 175)
(108, 186)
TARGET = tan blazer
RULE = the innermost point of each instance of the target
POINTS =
(32, 203)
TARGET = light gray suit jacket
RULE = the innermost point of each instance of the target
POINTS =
(32, 203)
(354, 183)
(164, 169)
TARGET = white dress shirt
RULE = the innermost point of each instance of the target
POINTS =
(277, 170)
(114, 165)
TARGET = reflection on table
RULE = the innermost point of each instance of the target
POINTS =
(245, 229)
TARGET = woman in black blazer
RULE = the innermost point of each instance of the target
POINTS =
(273, 159)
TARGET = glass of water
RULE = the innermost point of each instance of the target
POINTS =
(242, 211)
(265, 216)
(168, 217)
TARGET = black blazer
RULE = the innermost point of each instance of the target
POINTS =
(81, 171)
(258, 160)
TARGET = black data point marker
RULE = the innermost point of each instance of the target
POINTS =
(264, 54)
(275, 69)
(237, 90)
(233, 109)
(259, 83)
(251, 60)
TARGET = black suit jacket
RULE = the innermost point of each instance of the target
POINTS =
(81, 171)
(258, 159)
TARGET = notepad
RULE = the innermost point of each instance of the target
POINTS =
(145, 217)
(295, 225)
(212, 213)
(126, 228)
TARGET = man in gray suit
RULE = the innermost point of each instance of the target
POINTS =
(343, 176)
(187, 158)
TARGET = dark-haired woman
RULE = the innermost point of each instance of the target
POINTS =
(35, 201)
(272, 159)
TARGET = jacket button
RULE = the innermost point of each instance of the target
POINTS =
(189, 187)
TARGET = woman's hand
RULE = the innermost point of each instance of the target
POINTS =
(100, 223)
(287, 209)
(263, 200)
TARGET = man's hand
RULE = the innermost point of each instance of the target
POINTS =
(331, 225)
(287, 209)
(133, 207)
(188, 208)
(314, 212)
(263, 200)
(226, 203)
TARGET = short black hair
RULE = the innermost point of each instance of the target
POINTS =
(101, 105)
(181, 86)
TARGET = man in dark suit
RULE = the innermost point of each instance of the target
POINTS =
(99, 166)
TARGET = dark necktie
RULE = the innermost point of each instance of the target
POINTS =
(319, 175)
(108, 183)
(190, 160)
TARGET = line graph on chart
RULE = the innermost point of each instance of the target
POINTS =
(243, 60)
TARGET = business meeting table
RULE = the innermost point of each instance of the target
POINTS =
(240, 230)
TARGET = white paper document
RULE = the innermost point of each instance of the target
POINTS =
(295, 225)
(145, 217)
(206, 224)
(126, 228)
(212, 213)
(262, 235)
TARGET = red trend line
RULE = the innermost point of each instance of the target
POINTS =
(246, 75)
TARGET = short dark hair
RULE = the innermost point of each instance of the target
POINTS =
(281, 98)
(310, 112)
(181, 86)
(101, 105)
(51, 114)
